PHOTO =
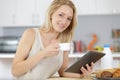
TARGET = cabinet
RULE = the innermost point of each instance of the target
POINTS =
(32, 12)
(23, 12)
(97, 7)
(85, 7)
(16, 12)
(7, 12)
(41, 7)
(108, 6)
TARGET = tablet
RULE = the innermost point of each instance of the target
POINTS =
(90, 56)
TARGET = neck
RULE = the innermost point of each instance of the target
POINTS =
(50, 35)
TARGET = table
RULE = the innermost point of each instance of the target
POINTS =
(63, 78)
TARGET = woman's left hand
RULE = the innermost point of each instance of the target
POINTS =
(88, 71)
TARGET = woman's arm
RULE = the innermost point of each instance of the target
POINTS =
(74, 75)
(64, 66)
(20, 64)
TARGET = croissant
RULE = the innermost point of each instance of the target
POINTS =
(107, 73)
(116, 74)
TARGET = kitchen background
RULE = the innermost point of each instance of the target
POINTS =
(98, 17)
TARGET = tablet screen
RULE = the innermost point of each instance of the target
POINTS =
(90, 56)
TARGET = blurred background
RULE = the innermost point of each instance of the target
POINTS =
(98, 23)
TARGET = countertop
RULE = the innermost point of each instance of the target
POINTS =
(62, 78)
(76, 55)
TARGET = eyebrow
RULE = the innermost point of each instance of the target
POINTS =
(64, 14)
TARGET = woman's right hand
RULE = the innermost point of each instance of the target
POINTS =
(52, 49)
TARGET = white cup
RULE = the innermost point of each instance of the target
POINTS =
(65, 46)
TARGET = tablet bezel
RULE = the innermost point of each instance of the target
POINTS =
(90, 56)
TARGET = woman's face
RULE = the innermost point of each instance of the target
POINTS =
(62, 18)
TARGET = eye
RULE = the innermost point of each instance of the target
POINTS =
(69, 19)
(60, 15)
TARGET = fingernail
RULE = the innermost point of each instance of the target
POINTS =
(82, 67)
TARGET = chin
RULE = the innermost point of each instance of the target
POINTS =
(58, 30)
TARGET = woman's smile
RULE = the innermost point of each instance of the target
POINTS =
(61, 26)
(62, 18)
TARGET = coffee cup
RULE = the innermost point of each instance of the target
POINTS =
(65, 46)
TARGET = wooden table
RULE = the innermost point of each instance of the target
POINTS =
(63, 78)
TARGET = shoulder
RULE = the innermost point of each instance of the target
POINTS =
(28, 35)
(30, 32)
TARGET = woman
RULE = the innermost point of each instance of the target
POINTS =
(38, 55)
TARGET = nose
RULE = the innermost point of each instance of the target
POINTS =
(64, 21)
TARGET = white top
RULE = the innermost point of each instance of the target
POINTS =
(46, 67)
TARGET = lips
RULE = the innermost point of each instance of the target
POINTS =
(61, 26)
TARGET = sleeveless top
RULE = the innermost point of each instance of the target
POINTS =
(46, 67)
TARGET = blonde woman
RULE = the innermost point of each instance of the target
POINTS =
(38, 55)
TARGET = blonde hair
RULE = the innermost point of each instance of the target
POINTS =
(67, 34)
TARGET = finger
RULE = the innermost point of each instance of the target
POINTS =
(92, 65)
(56, 46)
(54, 53)
(55, 49)
(88, 68)
(84, 70)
